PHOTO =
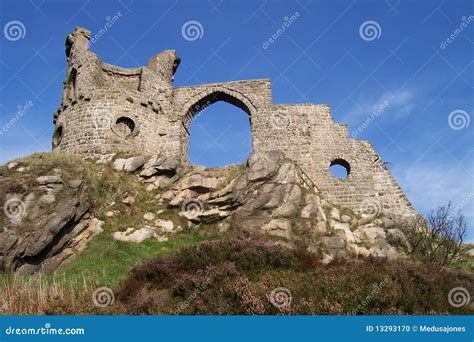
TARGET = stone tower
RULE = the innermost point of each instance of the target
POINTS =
(106, 109)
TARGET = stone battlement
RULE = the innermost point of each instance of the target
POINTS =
(105, 109)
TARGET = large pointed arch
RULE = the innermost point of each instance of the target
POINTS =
(206, 98)
(212, 95)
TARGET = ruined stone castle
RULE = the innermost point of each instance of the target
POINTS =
(106, 109)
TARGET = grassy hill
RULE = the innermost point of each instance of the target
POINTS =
(200, 270)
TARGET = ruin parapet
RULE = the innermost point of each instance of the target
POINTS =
(105, 109)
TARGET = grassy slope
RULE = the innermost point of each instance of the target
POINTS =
(106, 262)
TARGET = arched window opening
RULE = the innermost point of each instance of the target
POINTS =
(58, 135)
(124, 126)
(71, 84)
(220, 135)
(340, 168)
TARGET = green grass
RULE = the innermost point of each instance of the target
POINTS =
(107, 261)
(465, 265)
(4, 278)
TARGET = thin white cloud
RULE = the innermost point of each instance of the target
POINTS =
(396, 106)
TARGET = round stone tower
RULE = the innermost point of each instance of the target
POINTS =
(106, 109)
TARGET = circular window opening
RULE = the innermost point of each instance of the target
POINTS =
(340, 168)
(124, 126)
(58, 136)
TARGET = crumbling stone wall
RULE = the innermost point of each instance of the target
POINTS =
(106, 109)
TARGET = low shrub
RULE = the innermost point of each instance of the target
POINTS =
(243, 276)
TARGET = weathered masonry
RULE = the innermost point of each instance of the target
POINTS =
(106, 109)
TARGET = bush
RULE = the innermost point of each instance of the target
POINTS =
(239, 276)
(438, 238)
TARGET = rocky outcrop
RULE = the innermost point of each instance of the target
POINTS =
(46, 225)
(270, 196)
(48, 221)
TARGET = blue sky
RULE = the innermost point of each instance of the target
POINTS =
(400, 83)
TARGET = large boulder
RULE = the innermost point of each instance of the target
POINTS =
(44, 224)
(166, 226)
(170, 164)
(56, 226)
(278, 227)
(343, 230)
(198, 183)
(336, 246)
(134, 235)
(264, 165)
(46, 180)
(160, 165)
(129, 165)
(267, 188)
(370, 233)
(64, 213)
